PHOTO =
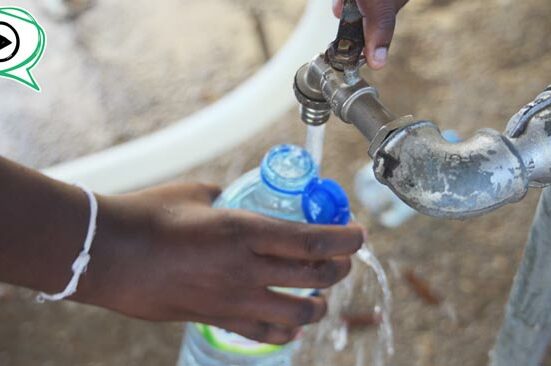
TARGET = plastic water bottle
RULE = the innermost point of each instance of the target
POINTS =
(286, 186)
(380, 201)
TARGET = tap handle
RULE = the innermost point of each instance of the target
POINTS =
(345, 52)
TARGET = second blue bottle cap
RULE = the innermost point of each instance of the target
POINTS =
(325, 202)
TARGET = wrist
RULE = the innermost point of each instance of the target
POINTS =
(80, 264)
(120, 239)
(49, 227)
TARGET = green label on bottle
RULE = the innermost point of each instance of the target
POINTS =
(230, 342)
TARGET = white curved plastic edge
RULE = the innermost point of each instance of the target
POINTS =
(238, 116)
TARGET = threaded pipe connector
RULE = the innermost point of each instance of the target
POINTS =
(314, 117)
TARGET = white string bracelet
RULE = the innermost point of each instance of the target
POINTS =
(81, 263)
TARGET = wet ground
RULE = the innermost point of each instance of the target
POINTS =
(465, 64)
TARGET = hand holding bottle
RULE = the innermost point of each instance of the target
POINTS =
(165, 254)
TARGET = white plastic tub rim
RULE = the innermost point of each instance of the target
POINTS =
(187, 143)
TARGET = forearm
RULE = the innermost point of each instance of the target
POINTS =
(44, 224)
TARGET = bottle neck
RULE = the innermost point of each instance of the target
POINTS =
(277, 204)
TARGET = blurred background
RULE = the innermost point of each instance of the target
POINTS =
(118, 69)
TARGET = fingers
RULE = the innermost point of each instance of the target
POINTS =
(307, 242)
(337, 7)
(255, 330)
(185, 192)
(260, 332)
(262, 306)
(204, 193)
(252, 304)
(272, 307)
(379, 24)
(295, 274)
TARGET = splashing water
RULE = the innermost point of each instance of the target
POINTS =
(332, 342)
(333, 329)
(386, 333)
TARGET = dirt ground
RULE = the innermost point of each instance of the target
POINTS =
(465, 64)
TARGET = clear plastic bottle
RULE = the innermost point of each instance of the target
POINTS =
(286, 186)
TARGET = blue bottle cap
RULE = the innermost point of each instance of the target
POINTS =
(325, 202)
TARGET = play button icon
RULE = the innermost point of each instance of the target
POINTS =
(4, 42)
(9, 42)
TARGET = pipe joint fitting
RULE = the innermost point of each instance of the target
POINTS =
(530, 132)
(451, 180)
(342, 96)
(320, 90)
(314, 108)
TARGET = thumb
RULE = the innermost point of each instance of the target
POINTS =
(337, 8)
(379, 24)
(177, 193)
(204, 193)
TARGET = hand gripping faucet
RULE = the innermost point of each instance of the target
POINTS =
(410, 156)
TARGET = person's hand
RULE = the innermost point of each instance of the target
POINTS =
(379, 23)
(165, 255)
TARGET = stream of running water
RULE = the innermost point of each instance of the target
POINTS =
(334, 330)
(315, 138)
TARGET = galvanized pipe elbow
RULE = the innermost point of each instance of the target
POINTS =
(472, 177)
(449, 180)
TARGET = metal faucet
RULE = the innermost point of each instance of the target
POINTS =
(431, 175)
